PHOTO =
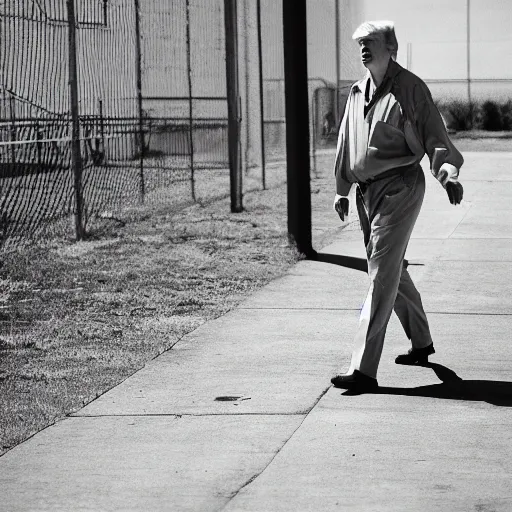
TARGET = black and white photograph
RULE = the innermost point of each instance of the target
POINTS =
(255, 255)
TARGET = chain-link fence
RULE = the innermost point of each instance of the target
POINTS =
(56, 54)
(141, 129)
(110, 104)
(35, 179)
(184, 94)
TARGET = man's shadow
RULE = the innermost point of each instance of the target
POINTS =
(352, 262)
(452, 387)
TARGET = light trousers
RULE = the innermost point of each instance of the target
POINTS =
(388, 209)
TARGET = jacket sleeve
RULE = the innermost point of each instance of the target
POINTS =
(343, 186)
(432, 132)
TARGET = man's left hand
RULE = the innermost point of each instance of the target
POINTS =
(448, 177)
(455, 192)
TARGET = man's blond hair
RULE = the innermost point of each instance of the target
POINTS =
(384, 27)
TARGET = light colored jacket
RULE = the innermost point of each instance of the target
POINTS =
(401, 124)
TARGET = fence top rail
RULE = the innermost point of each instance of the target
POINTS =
(185, 98)
(63, 139)
(32, 122)
(28, 121)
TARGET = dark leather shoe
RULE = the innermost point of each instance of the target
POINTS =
(416, 355)
(357, 381)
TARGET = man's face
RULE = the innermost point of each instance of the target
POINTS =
(373, 50)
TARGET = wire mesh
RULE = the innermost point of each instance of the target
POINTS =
(35, 177)
(273, 81)
(152, 107)
(184, 97)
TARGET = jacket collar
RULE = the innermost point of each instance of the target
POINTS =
(393, 69)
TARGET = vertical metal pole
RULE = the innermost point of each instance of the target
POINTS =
(105, 12)
(297, 124)
(12, 116)
(468, 55)
(190, 106)
(38, 144)
(337, 28)
(102, 129)
(138, 66)
(314, 127)
(262, 105)
(76, 157)
(233, 92)
(409, 56)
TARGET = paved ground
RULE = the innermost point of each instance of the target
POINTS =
(240, 415)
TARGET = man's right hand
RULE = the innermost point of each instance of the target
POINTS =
(341, 205)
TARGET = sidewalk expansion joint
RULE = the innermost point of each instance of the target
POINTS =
(179, 415)
(298, 309)
(429, 312)
(256, 475)
(476, 262)
(466, 313)
(460, 238)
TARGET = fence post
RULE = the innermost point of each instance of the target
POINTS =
(338, 50)
(76, 157)
(102, 130)
(105, 13)
(262, 105)
(297, 125)
(190, 106)
(38, 144)
(314, 127)
(138, 59)
(12, 116)
(234, 114)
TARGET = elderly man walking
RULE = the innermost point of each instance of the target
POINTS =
(390, 122)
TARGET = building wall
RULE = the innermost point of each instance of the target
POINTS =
(434, 32)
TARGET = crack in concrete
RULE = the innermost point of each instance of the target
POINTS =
(256, 475)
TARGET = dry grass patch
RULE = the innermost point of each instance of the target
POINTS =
(78, 318)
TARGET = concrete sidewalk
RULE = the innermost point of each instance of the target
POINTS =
(240, 415)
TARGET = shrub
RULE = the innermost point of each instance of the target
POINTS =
(506, 115)
(492, 118)
(489, 115)
(462, 113)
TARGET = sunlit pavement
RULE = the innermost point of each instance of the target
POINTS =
(240, 415)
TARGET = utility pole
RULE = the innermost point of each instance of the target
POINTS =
(297, 125)
(234, 114)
